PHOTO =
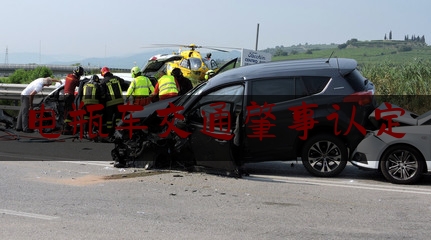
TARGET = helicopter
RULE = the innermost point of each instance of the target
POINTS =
(191, 62)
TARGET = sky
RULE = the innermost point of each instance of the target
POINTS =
(100, 28)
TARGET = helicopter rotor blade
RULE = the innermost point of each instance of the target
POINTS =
(216, 49)
(193, 46)
(221, 49)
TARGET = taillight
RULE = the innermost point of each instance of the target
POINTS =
(362, 98)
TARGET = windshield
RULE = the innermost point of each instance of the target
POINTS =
(195, 63)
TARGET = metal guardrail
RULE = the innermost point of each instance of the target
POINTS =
(13, 92)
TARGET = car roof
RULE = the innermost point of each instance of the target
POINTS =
(310, 67)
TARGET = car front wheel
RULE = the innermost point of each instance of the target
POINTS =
(402, 164)
(324, 156)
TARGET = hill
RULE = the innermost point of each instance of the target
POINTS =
(365, 52)
(127, 61)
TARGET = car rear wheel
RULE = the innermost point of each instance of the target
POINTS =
(402, 164)
(324, 155)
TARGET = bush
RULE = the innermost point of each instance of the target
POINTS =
(23, 76)
(404, 48)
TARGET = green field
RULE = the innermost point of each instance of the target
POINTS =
(400, 70)
(369, 52)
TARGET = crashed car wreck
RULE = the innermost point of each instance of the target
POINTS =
(244, 115)
(400, 148)
(160, 146)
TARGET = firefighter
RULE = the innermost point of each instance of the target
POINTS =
(92, 94)
(71, 82)
(112, 92)
(140, 88)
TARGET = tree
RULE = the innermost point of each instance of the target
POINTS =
(352, 41)
(279, 51)
(385, 37)
(342, 46)
(23, 76)
(41, 72)
(390, 35)
(19, 76)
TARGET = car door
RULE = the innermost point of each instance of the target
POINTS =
(269, 118)
(229, 65)
(214, 122)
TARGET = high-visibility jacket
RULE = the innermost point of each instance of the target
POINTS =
(140, 86)
(113, 92)
(91, 93)
(167, 85)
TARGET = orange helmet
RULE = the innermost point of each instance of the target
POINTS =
(104, 70)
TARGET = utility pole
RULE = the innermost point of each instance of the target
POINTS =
(40, 51)
(257, 36)
(6, 57)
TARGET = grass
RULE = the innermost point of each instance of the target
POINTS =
(400, 77)
(366, 55)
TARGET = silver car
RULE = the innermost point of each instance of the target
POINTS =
(400, 150)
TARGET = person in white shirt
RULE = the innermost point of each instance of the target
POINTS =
(27, 96)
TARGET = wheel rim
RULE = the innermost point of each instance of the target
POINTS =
(324, 156)
(402, 165)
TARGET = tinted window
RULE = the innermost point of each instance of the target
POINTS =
(356, 79)
(272, 90)
(222, 97)
(314, 85)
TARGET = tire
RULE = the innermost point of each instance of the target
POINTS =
(402, 164)
(324, 155)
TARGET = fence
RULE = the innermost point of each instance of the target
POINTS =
(13, 92)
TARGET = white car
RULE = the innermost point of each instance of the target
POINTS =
(401, 153)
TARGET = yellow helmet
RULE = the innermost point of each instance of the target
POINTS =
(135, 71)
(209, 74)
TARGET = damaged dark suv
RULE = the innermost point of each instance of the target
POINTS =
(314, 109)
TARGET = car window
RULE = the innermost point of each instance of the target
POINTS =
(313, 84)
(231, 95)
(272, 90)
(227, 94)
(356, 79)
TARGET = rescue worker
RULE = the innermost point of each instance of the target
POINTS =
(27, 96)
(166, 87)
(112, 92)
(208, 57)
(209, 74)
(140, 88)
(71, 82)
(184, 83)
(91, 94)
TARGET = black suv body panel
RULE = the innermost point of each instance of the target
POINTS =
(330, 95)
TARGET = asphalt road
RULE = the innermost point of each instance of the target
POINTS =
(69, 190)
